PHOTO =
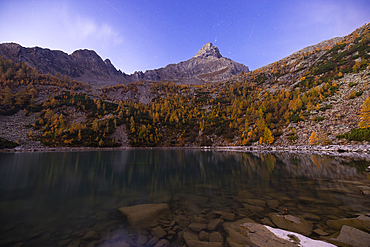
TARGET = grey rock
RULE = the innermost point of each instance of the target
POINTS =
(292, 223)
(251, 234)
(353, 236)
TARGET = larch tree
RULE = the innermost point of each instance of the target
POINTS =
(313, 139)
(268, 138)
(365, 114)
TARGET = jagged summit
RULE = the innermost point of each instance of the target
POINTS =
(208, 50)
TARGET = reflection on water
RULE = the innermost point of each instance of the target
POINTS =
(48, 198)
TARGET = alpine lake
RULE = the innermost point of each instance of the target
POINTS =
(73, 198)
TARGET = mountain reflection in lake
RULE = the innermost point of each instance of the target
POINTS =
(55, 198)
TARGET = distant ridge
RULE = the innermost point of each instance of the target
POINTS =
(207, 65)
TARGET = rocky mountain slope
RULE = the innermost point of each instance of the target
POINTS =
(87, 66)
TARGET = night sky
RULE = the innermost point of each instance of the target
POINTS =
(147, 34)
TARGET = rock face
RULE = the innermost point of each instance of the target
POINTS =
(87, 66)
(145, 215)
(208, 50)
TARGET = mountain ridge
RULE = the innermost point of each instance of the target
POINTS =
(85, 65)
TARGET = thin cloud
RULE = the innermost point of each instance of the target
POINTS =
(84, 28)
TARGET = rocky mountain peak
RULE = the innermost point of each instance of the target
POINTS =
(208, 50)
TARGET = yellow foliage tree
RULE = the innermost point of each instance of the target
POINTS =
(268, 138)
(313, 139)
(132, 124)
(365, 114)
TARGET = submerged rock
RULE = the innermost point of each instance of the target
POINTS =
(203, 236)
(158, 232)
(273, 203)
(153, 241)
(216, 237)
(142, 239)
(145, 215)
(189, 236)
(255, 202)
(228, 216)
(197, 227)
(252, 208)
(162, 243)
(90, 236)
(214, 224)
(361, 222)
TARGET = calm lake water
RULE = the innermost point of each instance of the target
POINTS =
(54, 198)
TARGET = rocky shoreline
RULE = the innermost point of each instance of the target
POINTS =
(360, 151)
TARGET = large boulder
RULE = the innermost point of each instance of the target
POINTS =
(236, 237)
(292, 223)
(253, 234)
(353, 236)
(145, 215)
